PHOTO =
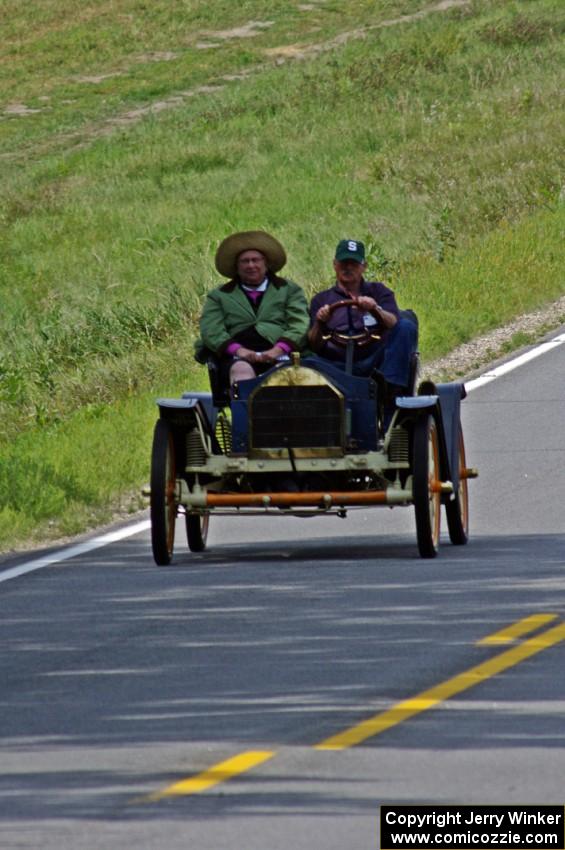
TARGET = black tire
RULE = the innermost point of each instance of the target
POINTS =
(426, 493)
(197, 531)
(457, 509)
(163, 506)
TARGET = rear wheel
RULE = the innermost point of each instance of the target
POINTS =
(426, 490)
(163, 505)
(457, 509)
(197, 531)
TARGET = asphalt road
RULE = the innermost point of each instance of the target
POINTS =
(274, 691)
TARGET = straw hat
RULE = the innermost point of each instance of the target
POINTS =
(249, 240)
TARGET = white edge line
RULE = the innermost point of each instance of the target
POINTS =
(130, 530)
(73, 551)
(504, 368)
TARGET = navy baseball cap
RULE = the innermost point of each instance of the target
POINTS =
(350, 249)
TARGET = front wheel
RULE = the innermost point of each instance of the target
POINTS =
(197, 531)
(426, 489)
(457, 509)
(163, 506)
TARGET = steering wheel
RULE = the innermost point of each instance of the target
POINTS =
(347, 302)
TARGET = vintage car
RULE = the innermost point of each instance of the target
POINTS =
(304, 439)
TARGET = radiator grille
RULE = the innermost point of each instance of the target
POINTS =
(299, 416)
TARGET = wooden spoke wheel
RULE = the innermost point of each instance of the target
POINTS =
(197, 531)
(426, 489)
(457, 508)
(163, 505)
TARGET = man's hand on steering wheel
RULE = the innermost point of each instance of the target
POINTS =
(364, 303)
(367, 304)
(323, 314)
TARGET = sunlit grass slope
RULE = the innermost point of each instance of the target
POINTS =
(135, 136)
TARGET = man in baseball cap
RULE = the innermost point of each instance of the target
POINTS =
(357, 324)
(350, 249)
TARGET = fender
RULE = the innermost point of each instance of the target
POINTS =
(450, 398)
(417, 402)
(193, 413)
(181, 412)
(444, 401)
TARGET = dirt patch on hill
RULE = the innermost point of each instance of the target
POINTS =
(20, 109)
(281, 54)
(215, 39)
(308, 51)
(249, 30)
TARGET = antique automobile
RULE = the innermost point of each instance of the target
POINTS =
(308, 439)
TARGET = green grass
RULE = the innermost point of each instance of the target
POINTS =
(50, 479)
(437, 139)
(511, 271)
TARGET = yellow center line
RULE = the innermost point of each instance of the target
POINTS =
(403, 710)
(220, 772)
(517, 630)
(427, 699)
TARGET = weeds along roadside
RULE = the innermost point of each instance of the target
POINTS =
(452, 174)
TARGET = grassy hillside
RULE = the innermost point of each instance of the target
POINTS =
(134, 136)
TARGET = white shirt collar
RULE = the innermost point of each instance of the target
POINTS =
(261, 288)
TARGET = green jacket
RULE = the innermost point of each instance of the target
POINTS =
(282, 315)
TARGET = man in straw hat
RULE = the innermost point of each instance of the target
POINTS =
(257, 317)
